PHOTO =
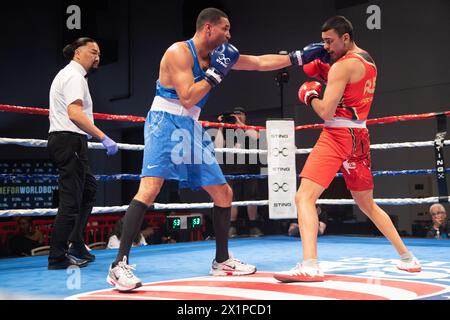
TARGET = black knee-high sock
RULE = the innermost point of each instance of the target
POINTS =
(221, 223)
(131, 226)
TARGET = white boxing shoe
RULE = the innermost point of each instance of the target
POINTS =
(231, 267)
(301, 273)
(411, 266)
(122, 277)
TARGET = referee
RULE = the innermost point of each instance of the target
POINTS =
(71, 125)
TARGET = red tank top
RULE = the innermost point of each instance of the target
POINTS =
(357, 99)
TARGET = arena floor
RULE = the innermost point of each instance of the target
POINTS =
(357, 268)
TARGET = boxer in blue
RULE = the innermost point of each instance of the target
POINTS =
(176, 146)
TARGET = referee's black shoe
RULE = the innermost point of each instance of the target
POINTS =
(79, 251)
(65, 262)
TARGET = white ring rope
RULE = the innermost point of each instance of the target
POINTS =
(133, 147)
(384, 201)
(43, 144)
(386, 146)
(156, 206)
(240, 151)
(175, 206)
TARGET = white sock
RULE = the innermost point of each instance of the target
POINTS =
(310, 263)
(407, 256)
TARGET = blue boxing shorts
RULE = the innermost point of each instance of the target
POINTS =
(178, 148)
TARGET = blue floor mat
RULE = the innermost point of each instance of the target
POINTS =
(342, 256)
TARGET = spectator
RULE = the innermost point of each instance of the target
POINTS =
(157, 235)
(139, 240)
(243, 190)
(294, 230)
(147, 232)
(29, 237)
(440, 227)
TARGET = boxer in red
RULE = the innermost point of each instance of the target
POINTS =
(343, 145)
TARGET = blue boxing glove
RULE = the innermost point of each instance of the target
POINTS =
(222, 60)
(310, 53)
(110, 145)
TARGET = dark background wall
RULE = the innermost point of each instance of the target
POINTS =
(411, 52)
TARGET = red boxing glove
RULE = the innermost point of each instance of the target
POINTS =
(317, 69)
(309, 91)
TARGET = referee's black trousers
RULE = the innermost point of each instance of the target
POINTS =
(77, 189)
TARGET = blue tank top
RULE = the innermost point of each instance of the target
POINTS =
(199, 75)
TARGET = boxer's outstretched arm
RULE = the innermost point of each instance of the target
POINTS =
(271, 62)
(179, 66)
(266, 62)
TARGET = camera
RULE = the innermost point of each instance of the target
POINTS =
(228, 118)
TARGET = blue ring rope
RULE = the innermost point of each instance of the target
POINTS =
(136, 177)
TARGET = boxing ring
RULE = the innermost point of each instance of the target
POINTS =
(356, 268)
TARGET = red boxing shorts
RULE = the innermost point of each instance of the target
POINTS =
(341, 149)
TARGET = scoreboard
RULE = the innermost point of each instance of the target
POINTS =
(184, 222)
(26, 192)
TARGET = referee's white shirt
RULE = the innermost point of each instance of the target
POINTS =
(68, 86)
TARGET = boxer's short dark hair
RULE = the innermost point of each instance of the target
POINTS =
(340, 24)
(211, 15)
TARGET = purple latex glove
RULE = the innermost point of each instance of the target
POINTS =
(110, 145)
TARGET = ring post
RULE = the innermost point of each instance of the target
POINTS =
(441, 176)
(281, 169)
